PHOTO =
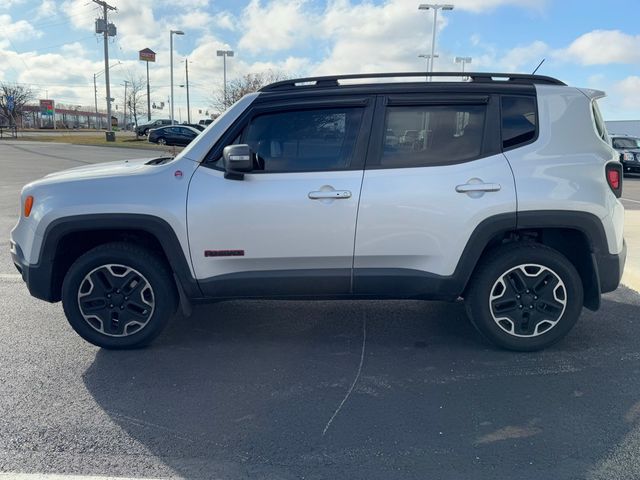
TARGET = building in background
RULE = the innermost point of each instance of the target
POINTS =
(624, 127)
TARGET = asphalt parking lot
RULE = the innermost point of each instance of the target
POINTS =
(314, 390)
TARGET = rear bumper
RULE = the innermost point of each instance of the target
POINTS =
(610, 269)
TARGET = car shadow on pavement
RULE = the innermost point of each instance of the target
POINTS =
(261, 389)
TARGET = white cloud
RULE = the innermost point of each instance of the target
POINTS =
(7, 4)
(46, 9)
(276, 25)
(602, 47)
(11, 31)
(524, 56)
(627, 91)
(485, 6)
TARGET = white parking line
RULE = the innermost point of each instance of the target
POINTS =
(629, 200)
(48, 476)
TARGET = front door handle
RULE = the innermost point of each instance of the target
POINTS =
(330, 194)
(478, 187)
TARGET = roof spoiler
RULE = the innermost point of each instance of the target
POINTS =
(592, 94)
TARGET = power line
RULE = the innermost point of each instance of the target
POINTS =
(49, 23)
(51, 47)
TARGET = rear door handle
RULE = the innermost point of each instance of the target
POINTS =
(478, 187)
(331, 194)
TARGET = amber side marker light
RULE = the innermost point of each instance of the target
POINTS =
(28, 205)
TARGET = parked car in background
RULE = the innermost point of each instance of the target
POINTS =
(143, 130)
(629, 149)
(179, 135)
(206, 122)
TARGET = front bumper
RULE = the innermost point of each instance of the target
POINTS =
(633, 167)
(610, 269)
(37, 277)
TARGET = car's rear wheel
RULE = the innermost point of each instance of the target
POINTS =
(162, 141)
(524, 296)
(118, 296)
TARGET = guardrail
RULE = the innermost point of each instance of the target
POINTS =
(8, 131)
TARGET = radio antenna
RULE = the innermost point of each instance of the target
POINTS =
(534, 72)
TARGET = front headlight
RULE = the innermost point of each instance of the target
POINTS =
(627, 157)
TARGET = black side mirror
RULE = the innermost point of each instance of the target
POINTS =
(237, 159)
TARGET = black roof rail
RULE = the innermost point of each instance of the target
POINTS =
(478, 77)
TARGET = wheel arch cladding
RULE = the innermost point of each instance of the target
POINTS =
(68, 238)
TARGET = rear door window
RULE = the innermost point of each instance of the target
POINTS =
(428, 135)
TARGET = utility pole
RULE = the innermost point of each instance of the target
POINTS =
(108, 30)
(126, 82)
(186, 70)
(95, 98)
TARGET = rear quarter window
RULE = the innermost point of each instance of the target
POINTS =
(519, 121)
(600, 127)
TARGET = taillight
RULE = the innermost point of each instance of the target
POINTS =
(614, 178)
(28, 205)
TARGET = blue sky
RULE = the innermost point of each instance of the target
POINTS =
(50, 45)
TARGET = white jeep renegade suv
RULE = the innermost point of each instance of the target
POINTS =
(505, 194)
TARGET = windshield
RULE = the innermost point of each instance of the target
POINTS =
(626, 142)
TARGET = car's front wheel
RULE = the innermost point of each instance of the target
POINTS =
(118, 296)
(524, 296)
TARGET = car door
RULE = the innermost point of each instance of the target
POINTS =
(288, 227)
(182, 136)
(424, 194)
(188, 135)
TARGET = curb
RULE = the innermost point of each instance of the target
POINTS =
(631, 279)
(631, 276)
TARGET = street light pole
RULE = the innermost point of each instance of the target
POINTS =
(463, 61)
(224, 54)
(186, 71)
(172, 32)
(427, 56)
(435, 7)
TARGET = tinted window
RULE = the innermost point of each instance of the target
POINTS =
(432, 135)
(599, 122)
(519, 121)
(623, 143)
(305, 140)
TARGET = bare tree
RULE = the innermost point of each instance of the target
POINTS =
(136, 100)
(13, 98)
(239, 87)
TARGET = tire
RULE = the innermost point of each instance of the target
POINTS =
(113, 313)
(162, 141)
(510, 304)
